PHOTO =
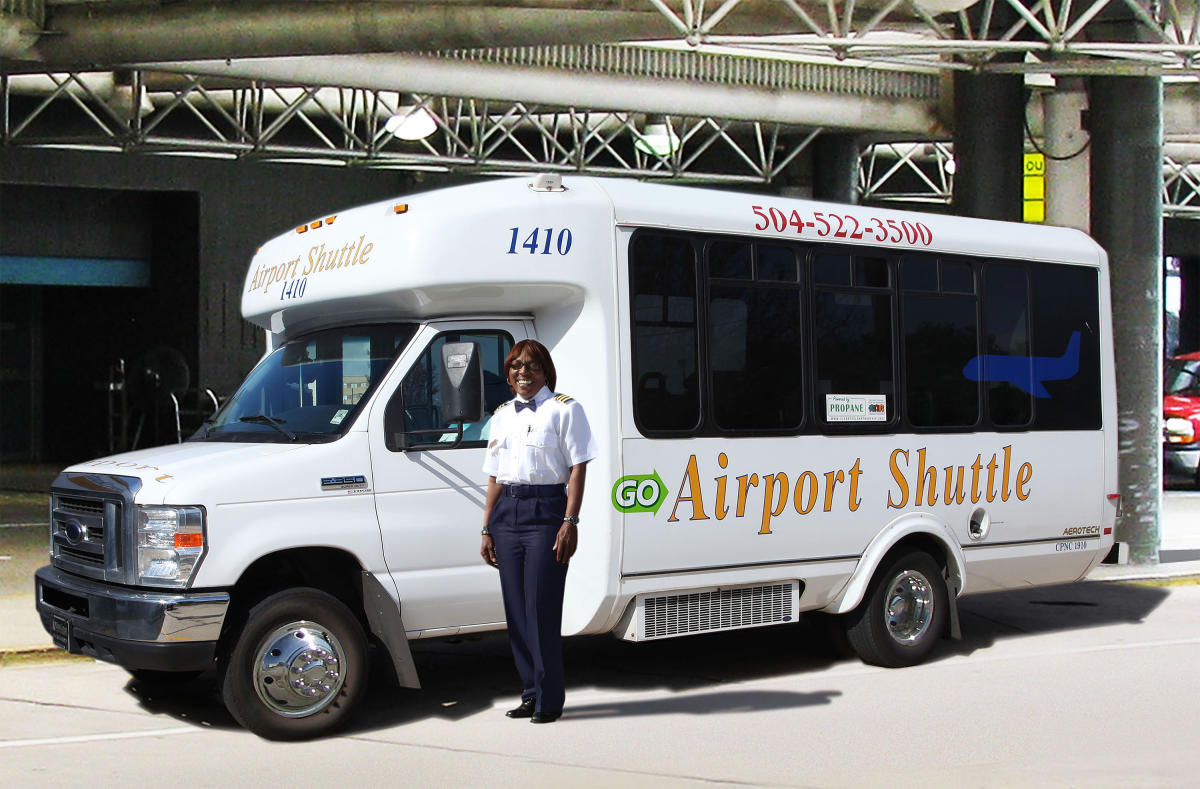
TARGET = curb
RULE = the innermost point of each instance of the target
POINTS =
(1180, 572)
(1179, 579)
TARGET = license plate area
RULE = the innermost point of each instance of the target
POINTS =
(60, 631)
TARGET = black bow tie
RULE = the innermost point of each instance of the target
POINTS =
(532, 406)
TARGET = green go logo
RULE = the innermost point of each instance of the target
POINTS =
(639, 493)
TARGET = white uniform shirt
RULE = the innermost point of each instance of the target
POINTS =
(538, 447)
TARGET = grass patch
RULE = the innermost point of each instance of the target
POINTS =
(24, 499)
(32, 657)
(24, 507)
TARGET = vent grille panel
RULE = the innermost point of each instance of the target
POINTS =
(719, 609)
(84, 557)
(80, 506)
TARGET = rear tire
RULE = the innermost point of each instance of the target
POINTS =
(903, 615)
(298, 668)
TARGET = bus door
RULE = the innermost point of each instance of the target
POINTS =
(430, 493)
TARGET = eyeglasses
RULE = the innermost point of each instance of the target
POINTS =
(517, 364)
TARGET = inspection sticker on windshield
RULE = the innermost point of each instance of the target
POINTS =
(855, 408)
(339, 416)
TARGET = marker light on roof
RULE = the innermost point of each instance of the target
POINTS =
(316, 224)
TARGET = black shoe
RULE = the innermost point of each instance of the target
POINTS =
(523, 711)
(545, 717)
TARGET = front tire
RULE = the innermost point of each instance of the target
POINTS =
(298, 667)
(903, 615)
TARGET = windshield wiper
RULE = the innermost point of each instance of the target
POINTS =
(263, 419)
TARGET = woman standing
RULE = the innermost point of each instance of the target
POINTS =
(536, 460)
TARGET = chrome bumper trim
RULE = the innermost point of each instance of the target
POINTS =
(131, 614)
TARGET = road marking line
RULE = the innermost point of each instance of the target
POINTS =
(126, 735)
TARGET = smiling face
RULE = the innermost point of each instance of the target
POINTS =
(526, 376)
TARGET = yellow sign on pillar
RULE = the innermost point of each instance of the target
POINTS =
(1035, 187)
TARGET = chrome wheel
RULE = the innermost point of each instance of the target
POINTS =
(299, 669)
(903, 613)
(908, 606)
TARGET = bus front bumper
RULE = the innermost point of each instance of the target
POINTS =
(134, 628)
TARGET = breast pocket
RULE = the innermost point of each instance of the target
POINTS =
(541, 451)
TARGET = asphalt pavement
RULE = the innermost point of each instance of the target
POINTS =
(1081, 685)
(24, 546)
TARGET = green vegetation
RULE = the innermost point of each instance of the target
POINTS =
(22, 507)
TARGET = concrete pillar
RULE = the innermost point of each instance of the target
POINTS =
(1068, 162)
(835, 168)
(1125, 121)
(989, 136)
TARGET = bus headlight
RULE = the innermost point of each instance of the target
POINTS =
(1178, 431)
(170, 542)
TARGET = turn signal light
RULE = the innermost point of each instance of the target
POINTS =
(186, 540)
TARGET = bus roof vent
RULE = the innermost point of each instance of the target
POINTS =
(547, 182)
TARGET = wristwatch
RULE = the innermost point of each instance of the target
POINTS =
(484, 531)
(571, 519)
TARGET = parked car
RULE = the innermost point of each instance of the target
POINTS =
(1181, 420)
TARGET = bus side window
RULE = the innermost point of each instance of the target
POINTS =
(1006, 333)
(1066, 333)
(754, 337)
(662, 276)
(852, 327)
(940, 329)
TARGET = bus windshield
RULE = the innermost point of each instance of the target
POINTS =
(310, 388)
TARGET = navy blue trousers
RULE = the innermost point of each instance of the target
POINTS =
(523, 528)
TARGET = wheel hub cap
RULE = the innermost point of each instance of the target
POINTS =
(909, 606)
(298, 670)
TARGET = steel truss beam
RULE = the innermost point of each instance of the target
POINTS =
(1021, 36)
(923, 173)
(1053, 36)
(906, 173)
(346, 127)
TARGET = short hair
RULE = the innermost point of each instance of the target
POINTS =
(539, 354)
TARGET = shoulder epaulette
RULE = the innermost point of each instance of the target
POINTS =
(500, 407)
(562, 398)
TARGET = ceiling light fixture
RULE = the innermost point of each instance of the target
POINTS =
(411, 123)
(658, 137)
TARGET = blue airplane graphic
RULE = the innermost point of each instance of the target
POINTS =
(1026, 372)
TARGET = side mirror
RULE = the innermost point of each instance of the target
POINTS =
(462, 383)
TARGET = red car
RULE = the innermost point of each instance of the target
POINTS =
(1181, 420)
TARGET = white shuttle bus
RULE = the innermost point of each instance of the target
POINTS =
(800, 407)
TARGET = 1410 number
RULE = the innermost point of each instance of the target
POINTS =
(540, 240)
